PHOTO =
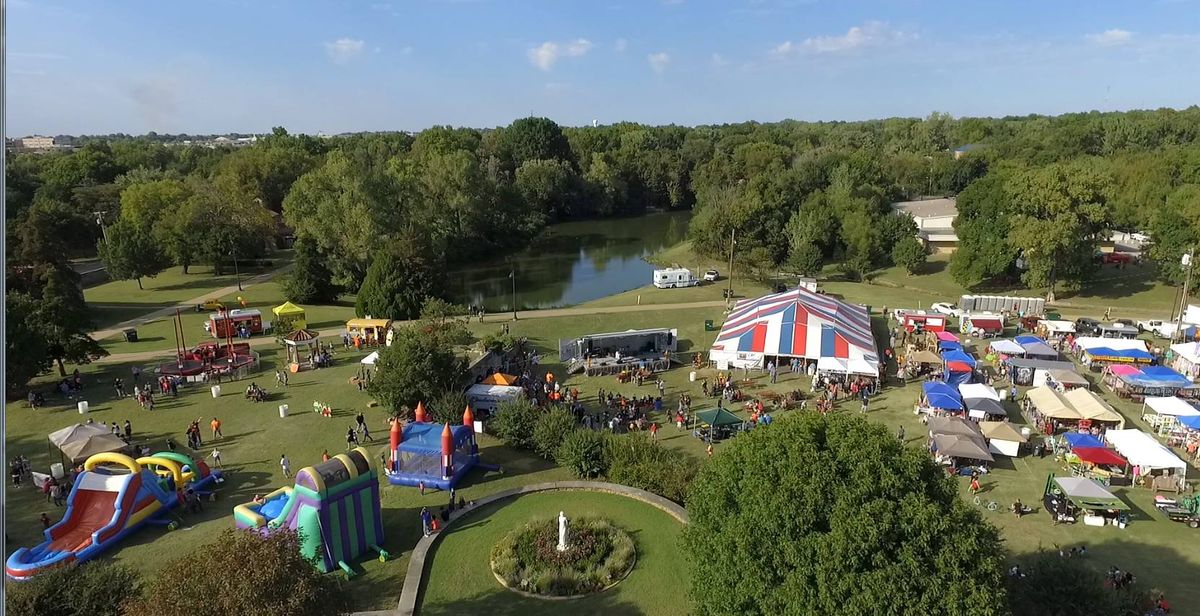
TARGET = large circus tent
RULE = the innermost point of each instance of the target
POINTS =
(798, 323)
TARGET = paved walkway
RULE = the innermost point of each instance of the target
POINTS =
(505, 317)
(189, 304)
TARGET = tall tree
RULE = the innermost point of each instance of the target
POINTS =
(65, 321)
(309, 281)
(129, 252)
(24, 344)
(533, 139)
(416, 367)
(1175, 230)
(398, 283)
(816, 539)
(1059, 215)
(909, 253)
(983, 224)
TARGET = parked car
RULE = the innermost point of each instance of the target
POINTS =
(947, 309)
(1087, 327)
(1162, 329)
(210, 304)
(711, 275)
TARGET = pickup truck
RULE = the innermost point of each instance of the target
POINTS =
(1162, 329)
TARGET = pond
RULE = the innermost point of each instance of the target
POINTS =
(571, 263)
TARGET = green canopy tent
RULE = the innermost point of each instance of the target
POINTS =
(719, 421)
(1085, 494)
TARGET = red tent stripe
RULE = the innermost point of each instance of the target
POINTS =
(760, 337)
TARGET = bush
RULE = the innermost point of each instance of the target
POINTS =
(636, 462)
(598, 554)
(215, 580)
(1068, 586)
(551, 428)
(584, 453)
(448, 407)
(90, 589)
(514, 422)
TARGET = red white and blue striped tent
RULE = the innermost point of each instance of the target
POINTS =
(798, 323)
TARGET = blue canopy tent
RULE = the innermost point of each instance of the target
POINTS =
(949, 345)
(942, 396)
(1036, 348)
(1191, 421)
(1081, 439)
(959, 367)
(1027, 339)
(1122, 356)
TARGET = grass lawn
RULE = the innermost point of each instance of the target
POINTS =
(460, 580)
(159, 335)
(1160, 552)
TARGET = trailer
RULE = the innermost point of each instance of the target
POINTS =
(674, 277)
(1185, 510)
(230, 323)
(1023, 306)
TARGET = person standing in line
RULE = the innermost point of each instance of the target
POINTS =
(286, 465)
(426, 521)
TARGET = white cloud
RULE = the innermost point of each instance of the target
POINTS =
(544, 56)
(344, 49)
(1112, 37)
(620, 45)
(870, 34)
(718, 60)
(659, 61)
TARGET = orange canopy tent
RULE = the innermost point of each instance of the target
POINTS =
(500, 378)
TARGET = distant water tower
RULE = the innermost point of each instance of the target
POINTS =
(595, 123)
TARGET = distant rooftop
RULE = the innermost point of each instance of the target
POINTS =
(970, 146)
(928, 208)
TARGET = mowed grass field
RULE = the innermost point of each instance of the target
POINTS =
(460, 581)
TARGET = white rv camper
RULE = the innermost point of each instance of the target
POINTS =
(674, 277)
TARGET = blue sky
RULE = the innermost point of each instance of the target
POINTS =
(247, 65)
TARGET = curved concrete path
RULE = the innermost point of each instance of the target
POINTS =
(416, 564)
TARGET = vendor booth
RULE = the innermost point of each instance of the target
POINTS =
(288, 317)
(924, 323)
(1144, 451)
(1006, 347)
(1036, 348)
(959, 367)
(1136, 384)
(1003, 438)
(1050, 408)
(370, 332)
(1033, 371)
(1099, 463)
(717, 424)
(985, 408)
(1163, 414)
(1065, 380)
(1100, 351)
(956, 449)
(239, 323)
(302, 346)
(956, 426)
(1068, 499)
(1186, 358)
(1091, 407)
(939, 396)
(1055, 328)
(981, 325)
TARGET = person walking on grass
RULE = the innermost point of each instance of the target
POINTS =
(366, 432)
(215, 424)
(216, 456)
(128, 430)
(360, 420)
(286, 465)
(351, 438)
(119, 386)
(654, 431)
(324, 455)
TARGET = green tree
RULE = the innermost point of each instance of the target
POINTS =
(131, 252)
(533, 139)
(1061, 586)
(1059, 215)
(1175, 229)
(551, 428)
(65, 320)
(635, 461)
(309, 281)
(514, 422)
(416, 367)
(583, 452)
(25, 346)
(983, 224)
(910, 254)
(550, 188)
(816, 539)
(285, 582)
(448, 407)
(397, 284)
(90, 589)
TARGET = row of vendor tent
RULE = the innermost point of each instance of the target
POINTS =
(1129, 381)
(1074, 405)
(1029, 347)
(1142, 449)
(1169, 414)
(1185, 357)
(1035, 371)
(978, 399)
(1112, 350)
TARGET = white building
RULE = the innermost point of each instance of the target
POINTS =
(935, 221)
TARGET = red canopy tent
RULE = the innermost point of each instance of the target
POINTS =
(1100, 455)
(959, 366)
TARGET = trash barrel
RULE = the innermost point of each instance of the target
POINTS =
(216, 391)
(283, 410)
(708, 325)
(82, 406)
(130, 335)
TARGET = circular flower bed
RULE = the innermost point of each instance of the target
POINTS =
(598, 555)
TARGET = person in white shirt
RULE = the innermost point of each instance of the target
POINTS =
(286, 465)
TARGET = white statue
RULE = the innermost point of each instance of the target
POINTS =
(562, 532)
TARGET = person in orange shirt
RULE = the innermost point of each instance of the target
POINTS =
(216, 427)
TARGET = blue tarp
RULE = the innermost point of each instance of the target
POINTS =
(958, 355)
(1028, 340)
(942, 396)
(1080, 439)
(949, 345)
(1191, 421)
(1130, 355)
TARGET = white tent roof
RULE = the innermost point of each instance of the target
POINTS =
(1190, 351)
(370, 359)
(1008, 347)
(1171, 406)
(1141, 449)
(81, 441)
(978, 390)
(1116, 344)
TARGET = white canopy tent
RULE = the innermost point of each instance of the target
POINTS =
(1170, 406)
(1058, 327)
(1144, 450)
(81, 441)
(370, 359)
(1116, 344)
(1008, 347)
(1187, 358)
(978, 390)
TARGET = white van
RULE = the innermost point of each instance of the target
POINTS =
(674, 277)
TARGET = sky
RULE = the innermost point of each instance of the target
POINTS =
(217, 66)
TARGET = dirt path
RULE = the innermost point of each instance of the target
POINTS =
(189, 304)
(269, 341)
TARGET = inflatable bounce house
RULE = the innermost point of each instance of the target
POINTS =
(114, 496)
(335, 505)
(432, 454)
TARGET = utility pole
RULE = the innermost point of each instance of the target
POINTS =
(100, 222)
(732, 243)
(1186, 261)
(512, 274)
